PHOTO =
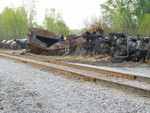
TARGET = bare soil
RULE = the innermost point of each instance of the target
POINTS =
(99, 60)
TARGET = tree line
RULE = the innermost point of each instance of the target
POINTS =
(14, 22)
(129, 16)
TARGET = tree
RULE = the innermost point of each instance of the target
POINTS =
(13, 23)
(125, 15)
(53, 22)
(144, 27)
(36, 25)
(94, 22)
(120, 15)
(143, 6)
(30, 7)
(76, 31)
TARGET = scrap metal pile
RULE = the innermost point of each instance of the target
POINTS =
(42, 41)
(117, 45)
(14, 44)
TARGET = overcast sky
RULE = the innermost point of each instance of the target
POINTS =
(73, 11)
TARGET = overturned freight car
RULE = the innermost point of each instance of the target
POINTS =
(45, 42)
(14, 44)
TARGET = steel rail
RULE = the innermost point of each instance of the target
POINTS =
(125, 87)
(103, 71)
(107, 72)
(48, 67)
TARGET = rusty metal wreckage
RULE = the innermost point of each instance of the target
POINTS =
(117, 45)
(42, 41)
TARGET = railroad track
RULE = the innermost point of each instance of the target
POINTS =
(118, 74)
(127, 82)
(107, 72)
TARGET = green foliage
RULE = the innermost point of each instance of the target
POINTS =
(36, 25)
(145, 25)
(16, 21)
(143, 6)
(13, 23)
(53, 22)
(76, 31)
(126, 15)
(94, 22)
(30, 7)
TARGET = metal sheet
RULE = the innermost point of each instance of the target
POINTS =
(44, 41)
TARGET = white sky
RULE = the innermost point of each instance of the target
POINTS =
(73, 11)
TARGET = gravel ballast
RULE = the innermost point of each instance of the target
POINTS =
(25, 89)
(137, 71)
(134, 83)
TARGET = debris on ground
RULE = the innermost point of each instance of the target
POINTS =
(48, 43)
(21, 52)
(118, 46)
(14, 44)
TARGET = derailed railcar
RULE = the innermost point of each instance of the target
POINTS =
(45, 42)
(14, 44)
(119, 46)
(142, 51)
(66, 47)
(135, 48)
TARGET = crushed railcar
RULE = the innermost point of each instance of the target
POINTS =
(14, 44)
(45, 42)
(119, 46)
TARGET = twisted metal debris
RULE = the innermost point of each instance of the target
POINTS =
(42, 41)
(117, 45)
(120, 46)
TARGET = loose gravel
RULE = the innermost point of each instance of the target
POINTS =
(92, 74)
(25, 89)
(138, 71)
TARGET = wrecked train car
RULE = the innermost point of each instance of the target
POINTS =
(119, 46)
(14, 44)
(45, 42)
(142, 51)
